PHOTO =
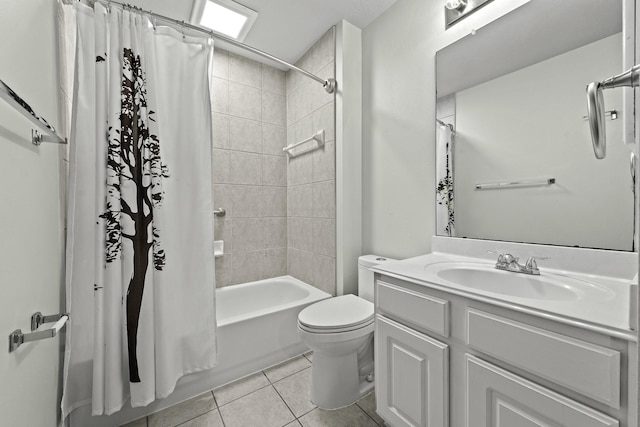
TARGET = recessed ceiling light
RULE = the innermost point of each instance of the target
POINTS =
(225, 17)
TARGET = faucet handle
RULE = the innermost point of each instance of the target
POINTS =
(531, 263)
(500, 256)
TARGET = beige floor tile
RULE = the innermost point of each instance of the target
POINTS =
(351, 416)
(229, 392)
(294, 424)
(142, 422)
(295, 392)
(210, 419)
(182, 412)
(262, 408)
(287, 368)
(368, 405)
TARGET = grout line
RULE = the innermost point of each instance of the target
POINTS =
(286, 404)
(240, 397)
(290, 375)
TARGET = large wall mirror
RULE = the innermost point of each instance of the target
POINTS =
(514, 155)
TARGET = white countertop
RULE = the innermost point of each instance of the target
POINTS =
(606, 311)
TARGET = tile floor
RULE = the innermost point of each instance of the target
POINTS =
(275, 397)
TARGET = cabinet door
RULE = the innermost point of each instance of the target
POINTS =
(498, 398)
(412, 375)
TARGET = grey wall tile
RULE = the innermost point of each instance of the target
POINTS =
(319, 97)
(221, 63)
(224, 270)
(324, 273)
(274, 201)
(220, 96)
(246, 201)
(245, 135)
(324, 237)
(248, 234)
(273, 80)
(324, 199)
(274, 138)
(275, 232)
(245, 168)
(274, 170)
(325, 118)
(299, 201)
(222, 230)
(245, 71)
(324, 163)
(221, 166)
(300, 169)
(222, 197)
(220, 130)
(300, 265)
(274, 108)
(245, 101)
(300, 234)
(248, 266)
(275, 262)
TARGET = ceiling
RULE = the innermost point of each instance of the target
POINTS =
(284, 28)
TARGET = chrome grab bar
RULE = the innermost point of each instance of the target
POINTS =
(17, 337)
(220, 212)
(12, 98)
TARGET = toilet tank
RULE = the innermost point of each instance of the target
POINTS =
(365, 276)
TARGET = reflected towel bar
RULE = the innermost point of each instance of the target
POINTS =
(318, 137)
(515, 184)
(17, 337)
(12, 98)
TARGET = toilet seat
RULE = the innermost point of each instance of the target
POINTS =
(334, 315)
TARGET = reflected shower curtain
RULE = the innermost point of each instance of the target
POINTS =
(140, 267)
(445, 212)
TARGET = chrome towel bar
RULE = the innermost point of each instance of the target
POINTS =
(17, 337)
(514, 184)
(12, 98)
(220, 212)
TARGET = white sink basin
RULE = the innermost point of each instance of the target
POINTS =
(485, 278)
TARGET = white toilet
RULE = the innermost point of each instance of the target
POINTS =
(339, 330)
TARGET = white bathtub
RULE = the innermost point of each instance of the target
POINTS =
(257, 324)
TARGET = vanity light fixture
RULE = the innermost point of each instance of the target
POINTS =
(455, 10)
(224, 17)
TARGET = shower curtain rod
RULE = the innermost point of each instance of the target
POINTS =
(328, 84)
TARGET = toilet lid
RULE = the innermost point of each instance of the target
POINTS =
(346, 311)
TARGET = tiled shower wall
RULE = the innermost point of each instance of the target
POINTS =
(250, 169)
(311, 204)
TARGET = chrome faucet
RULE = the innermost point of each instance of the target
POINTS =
(509, 262)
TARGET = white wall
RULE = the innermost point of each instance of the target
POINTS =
(545, 136)
(31, 256)
(398, 121)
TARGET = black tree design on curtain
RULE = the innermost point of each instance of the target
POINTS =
(134, 188)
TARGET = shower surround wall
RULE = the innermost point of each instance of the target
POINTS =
(250, 169)
(311, 198)
(281, 213)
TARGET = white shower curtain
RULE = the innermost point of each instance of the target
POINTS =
(140, 266)
(445, 210)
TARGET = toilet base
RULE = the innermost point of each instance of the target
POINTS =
(337, 382)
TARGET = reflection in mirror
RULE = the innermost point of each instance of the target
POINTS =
(515, 159)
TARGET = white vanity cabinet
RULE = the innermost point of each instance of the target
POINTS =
(450, 360)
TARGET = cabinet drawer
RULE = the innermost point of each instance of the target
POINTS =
(589, 369)
(499, 398)
(413, 307)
